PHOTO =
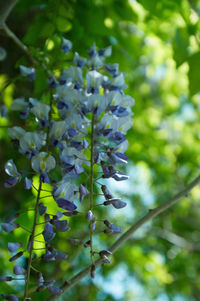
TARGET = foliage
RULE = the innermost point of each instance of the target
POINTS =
(157, 45)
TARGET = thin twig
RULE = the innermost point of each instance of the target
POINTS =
(6, 9)
(46, 196)
(123, 238)
(176, 240)
(91, 183)
(32, 244)
(17, 41)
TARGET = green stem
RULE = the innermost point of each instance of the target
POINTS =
(31, 244)
(50, 118)
(91, 180)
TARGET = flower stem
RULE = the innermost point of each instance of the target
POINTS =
(31, 244)
(91, 181)
(50, 118)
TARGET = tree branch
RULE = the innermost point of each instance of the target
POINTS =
(177, 240)
(4, 13)
(150, 215)
(17, 41)
(5, 9)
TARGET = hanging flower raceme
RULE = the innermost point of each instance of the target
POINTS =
(78, 140)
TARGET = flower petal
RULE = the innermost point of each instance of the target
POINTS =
(14, 246)
(65, 204)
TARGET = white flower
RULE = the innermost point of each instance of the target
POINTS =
(40, 110)
(73, 156)
(94, 79)
(96, 100)
(66, 45)
(43, 162)
(16, 132)
(72, 75)
(58, 129)
(32, 141)
(19, 104)
(66, 190)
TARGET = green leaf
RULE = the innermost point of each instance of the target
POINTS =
(40, 81)
(180, 45)
(63, 24)
(194, 63)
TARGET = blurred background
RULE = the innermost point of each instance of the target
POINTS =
(157, 45)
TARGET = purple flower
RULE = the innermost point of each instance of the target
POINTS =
(13, 218)
(106, 192)
(105, 253)
(18, 270)
(112, 227)
(8, 227)
(10, 182)
(88, 115)
(28, 72)
(119, 111)
(58, 215)
(49, 256)
(107, 170)
(11, 170)
(61, 226)
(72, 132)
(118, 176)
(54, 255)
(92, 51)
(115, 158)
(79, 145)
(14, 246)
(83, 191)
(44, 177)
(48, 232)
(52, 83)
(115, 228)
(60, 255)
(113, 69)
(42, 209)
(5, 278)
(117, 203)
(105, 51)
(3, 111)
(66, 45)
(89, 216)
(65, 204)
(24, 115)
(28, 183)
(117, 137)
(106, 132)
(9, 297)
(79, 61)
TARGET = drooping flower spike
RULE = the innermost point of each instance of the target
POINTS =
(77, 140)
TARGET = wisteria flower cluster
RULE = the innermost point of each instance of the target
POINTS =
(80, 132)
